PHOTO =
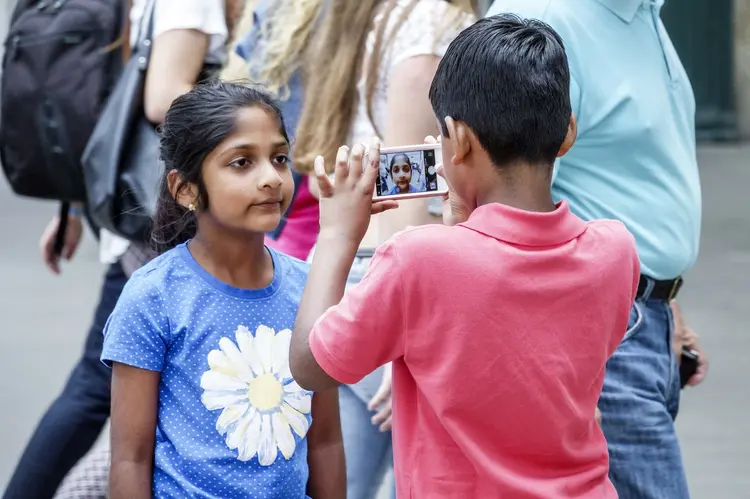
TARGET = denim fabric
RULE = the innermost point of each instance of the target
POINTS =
(73, 422)
(639, 404)
(369, 453)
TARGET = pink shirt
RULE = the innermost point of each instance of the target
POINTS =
(300, 232)
(499, 330)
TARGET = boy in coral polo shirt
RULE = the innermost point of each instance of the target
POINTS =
(499, 326)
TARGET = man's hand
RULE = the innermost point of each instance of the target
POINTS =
(454, 210)
(684, 336)
(381, 401)
(346, 204)
(598, 416)
(73, 235)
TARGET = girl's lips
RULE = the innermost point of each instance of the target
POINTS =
(268, 205)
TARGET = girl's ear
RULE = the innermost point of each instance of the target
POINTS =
(184, 194)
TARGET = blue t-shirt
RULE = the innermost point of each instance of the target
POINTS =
(231, 419)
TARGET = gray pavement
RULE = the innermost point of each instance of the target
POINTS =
(44, 319)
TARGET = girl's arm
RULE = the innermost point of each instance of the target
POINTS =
(325, 448)
(176, 62)
(135, 395)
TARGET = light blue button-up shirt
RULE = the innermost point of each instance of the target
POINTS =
(634, 159)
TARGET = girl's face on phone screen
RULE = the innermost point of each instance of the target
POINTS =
(401, 173)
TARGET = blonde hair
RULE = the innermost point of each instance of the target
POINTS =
(331, 59)
(236, 68)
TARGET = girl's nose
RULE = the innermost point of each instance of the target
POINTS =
(270, 177)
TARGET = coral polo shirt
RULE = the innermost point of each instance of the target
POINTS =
(499, 330)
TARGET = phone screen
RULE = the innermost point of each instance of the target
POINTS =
(407, 172)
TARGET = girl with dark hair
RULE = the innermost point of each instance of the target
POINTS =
(203, 403)
(400, 171)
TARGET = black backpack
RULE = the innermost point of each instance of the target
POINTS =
(61, 59)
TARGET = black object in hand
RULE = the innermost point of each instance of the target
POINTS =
(688, 365)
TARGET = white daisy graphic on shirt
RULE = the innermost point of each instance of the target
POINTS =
(261, 403)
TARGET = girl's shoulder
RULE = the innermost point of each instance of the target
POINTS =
(422, 27)
(152, 279)
(293, 270)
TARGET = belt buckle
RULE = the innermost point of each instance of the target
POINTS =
(676, 285)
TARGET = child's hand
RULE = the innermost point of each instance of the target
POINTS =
(346, 204)
(454, 210)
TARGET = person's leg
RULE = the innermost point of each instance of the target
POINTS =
(639, 403)
(367, 449)
(75, 419)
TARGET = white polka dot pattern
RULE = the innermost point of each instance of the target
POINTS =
(232, 421)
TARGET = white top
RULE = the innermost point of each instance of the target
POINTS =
(424, 32)
(206, 16)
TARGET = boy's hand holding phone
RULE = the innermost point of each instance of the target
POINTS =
(455, 210)
(346, 203)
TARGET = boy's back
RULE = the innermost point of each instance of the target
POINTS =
(499, 329)
(505, 323)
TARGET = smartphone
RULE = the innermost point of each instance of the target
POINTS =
(688, 365)
(409, 172)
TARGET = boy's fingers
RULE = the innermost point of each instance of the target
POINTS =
(324, 183)
(355, 162)
(441, 173)
(430, 140)
(372, 168)
(381, 206)
(341, 170)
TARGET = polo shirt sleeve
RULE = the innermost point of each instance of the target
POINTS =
(365, 330)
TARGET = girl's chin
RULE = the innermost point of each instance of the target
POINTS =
(264, 223)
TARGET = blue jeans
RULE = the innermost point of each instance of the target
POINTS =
(369, 453)
(639, 404)
(75, 419)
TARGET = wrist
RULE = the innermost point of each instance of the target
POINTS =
(75, 210)
(334, 240)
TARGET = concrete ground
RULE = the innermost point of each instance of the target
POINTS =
(44, 318)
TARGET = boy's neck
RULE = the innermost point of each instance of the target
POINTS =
(524, 187)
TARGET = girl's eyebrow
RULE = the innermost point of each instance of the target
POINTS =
(246, 146)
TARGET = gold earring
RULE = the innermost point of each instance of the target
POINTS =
(191, 207)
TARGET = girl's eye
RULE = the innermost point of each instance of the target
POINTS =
(240, 163)
(281, 159)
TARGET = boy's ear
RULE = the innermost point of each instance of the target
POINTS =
(185, 194)
(460, 136)
(570, 137)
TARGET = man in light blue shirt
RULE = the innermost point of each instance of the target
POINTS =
(634, 161)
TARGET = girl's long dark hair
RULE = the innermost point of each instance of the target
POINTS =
(194, 125)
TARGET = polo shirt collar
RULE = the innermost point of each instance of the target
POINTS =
(526, 228)
(627, 9)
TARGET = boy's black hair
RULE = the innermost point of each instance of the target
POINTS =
(507, 78)
(195, 124)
